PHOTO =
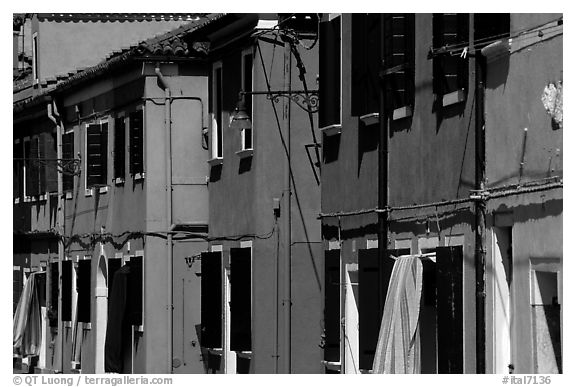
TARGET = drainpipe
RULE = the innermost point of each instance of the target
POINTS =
(168, 148)
(52, 110)
(480, 210)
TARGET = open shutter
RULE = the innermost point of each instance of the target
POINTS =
(17, 166)
(33, 168)
(119, 147)
(399, 48)
(329, 112)
(54, 286)
(67, 290)
(68, 155)
(240, 299)
(449, 309)
(97, 149)
(450, 71)
(136, 143)
(134, 292)
(211, 300)
(48, 171)
(83, 287)
(332, 305)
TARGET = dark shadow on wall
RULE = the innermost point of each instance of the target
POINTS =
(331, 148)
(215, 173)
(400, 125)
(245, 165)
(368, 140)
(497, 72)
(534, 211)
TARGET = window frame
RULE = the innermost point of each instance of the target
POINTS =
(249, 99)
(35, 78)
(217, 146)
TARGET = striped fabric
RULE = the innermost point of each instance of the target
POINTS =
(398, 350)
(26, 329)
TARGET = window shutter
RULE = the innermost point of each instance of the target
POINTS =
(40, 285)
(134, 293)
(211, 300)
(329, 41)
(48, 171)
(18, 285)
(97, 149)
(54, 286)
(66, 290)
(240, 299)
(450, 71)
(113, 265)
(218, 99)
(34, 182)
(332, 305)
(136, 142)
(17, 166)
(83, 286)
(399, 48)
(68, 155)
(449, 309)
(119, 147)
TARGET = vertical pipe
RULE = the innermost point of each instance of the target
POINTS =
(168, 150)
(287, 222)
(480, 210)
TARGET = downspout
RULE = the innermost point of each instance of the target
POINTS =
(480, 211)
(168, 148)
(59, 223)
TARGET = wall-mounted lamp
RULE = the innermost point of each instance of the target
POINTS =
(241, 119)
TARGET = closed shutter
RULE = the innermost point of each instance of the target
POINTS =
(136, 143)
(33, 166)
(450, 71)
(366, 51)
(83, 287)
(332, 305)
(96, 158)
(329, 113)
(134, 293)
(48, 171)
(67, 290)
(119, 147)
(68, 156)
(54, 286)
(240, 299)
(211, 300)
(449, 309)
(18, 169)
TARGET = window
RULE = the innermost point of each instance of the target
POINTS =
(96, 154)
(330, 78)
(398, 51)
(119, 149)
(216, 148)
(54, 287)
(332, 305)
(247, 86)
(211, 300)
(67, 290)
(18, 169)
(134, 293)
(450, 37)
(83, 285)
(35, 56)
(241, 299)
(33, 181)
(136, 144)
(68, 155)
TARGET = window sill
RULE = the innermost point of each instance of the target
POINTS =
(245, 153)
(332, 365)
(402, 112)
(244, 354)
(139, 176)
(75, 365)
(90, 191)
(454, 97)
(331, 130)
(16, 200)
(216, 161)
(87, 326)
(119, 181)
(370, 119)
(138, 328)
(67, 324)
(215, 351)
(27, 199)
(68, 195)
(42, 198)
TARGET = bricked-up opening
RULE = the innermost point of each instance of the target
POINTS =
(330, 56)
(241, 299)
(97, 152)
(83, 286)
(67, 290)
(450, 30)
(373, 280)
(119, 148)
(136, 142)
(211, 300)
(366, 43)
(449, 309)
(332, 305)
(54, 287)
(399, 50)
(68, 154)
(134, 292)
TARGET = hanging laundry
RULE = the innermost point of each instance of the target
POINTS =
(27, 324)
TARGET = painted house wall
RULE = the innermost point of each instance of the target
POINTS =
(66, 46)
(256, 181)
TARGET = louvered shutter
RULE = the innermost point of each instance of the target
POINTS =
(134, 293)
(449, 309)
(399, 47)
(33, 166)
(329, 41)
(450, 71)
(96, 146)
(332, 305)
(136, 142)
(83, 287)
(48, 171)
(211, 300)
(67, 290)
(18, 164)
(54, 286)
(68, 156)
(240, 299)
(119, 147)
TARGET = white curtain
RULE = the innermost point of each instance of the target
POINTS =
(398, 349)
(27, 324)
